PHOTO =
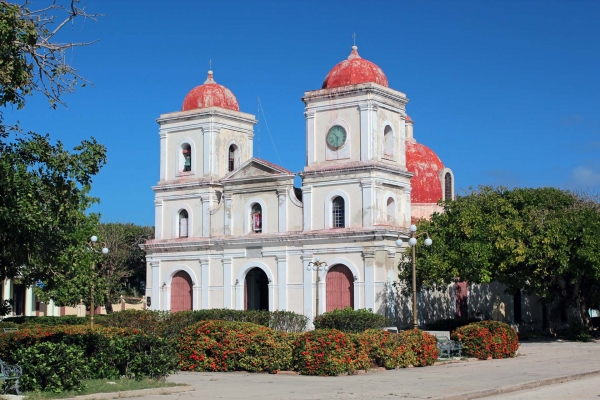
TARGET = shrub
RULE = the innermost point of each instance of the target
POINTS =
(349, 320)
(52, 367)
(329, 352)
(233, 346)
(486, 339)
(107, 352)
(385, 349)
(578, 332)
(144, 320)
(422, 345)
(50, 321)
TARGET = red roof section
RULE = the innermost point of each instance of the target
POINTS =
(426, 167)
(210, 94)
(353, 71)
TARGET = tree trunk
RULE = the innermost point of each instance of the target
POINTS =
(583, 311)
(108, 307)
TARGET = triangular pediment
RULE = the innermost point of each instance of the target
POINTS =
(256, 168)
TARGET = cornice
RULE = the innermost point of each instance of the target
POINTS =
(353, 167)
(191, 115)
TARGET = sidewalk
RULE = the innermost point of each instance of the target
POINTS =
(537, 361)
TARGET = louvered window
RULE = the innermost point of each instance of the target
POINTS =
(338, 213)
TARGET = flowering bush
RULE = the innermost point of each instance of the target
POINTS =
(329, 352)
(386, 349)
(234, 346)
(349, 320)
(487, 339)
(422, 345)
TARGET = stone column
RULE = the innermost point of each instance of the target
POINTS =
(204, 266)
(227, 282)
(29, 304)
(208, 202)
(281, 281)
(6, 292)
(369, 265)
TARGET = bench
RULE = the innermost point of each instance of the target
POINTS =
(10, 373)
(10, 329)
(448, 348)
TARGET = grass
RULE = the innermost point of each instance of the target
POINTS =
(102, 386)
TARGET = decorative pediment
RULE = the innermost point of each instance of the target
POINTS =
(256, 168)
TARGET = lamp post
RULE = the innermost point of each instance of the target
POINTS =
(93, 246)
(412, 242)
(317, 265)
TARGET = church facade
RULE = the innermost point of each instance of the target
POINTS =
(233, 232)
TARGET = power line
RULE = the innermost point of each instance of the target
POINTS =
(268, 130)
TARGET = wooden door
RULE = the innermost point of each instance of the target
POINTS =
(181, 292)
(462, 300)
(340, 288)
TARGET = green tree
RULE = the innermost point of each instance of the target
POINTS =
(543, 241)
(45, 187)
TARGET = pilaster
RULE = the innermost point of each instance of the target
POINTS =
(368, 124)
(310, 137)
(228, 212)
(307, 207)
(282, 195)
(156, 285)
(307, 286)
(281, 281)
(227, 282)
(368, 203)
(204, 267)
(158, 218)
(369, 264)
(163, 155)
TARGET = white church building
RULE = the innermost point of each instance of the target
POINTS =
(233, 232)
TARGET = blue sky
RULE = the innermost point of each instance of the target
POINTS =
(505, 92)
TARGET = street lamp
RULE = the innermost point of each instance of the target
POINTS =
(412, 242)
(317, 265)
(93, 245)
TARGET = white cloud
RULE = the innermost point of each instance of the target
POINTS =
(585, 177)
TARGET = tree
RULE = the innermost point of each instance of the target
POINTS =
(543, 241)
(31, 59)
(45, 188)
(123, 268)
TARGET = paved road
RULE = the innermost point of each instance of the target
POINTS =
(584, 389)
(536, 361)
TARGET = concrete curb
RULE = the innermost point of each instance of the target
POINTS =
(517, 388)
(134, 393)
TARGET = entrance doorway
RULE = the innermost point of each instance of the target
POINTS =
(340, 288)
(256, 290)
(181, 292)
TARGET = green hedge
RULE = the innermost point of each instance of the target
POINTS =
(349, 320)
(487, 339)
(105, 353)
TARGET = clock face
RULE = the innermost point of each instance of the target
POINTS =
(336, 137)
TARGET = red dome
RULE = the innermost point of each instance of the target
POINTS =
(354, 70)
(210, 94)
(426, 167)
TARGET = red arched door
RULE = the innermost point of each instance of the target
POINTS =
(181, 292)
(340, 288)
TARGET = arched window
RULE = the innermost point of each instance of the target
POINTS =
(233, 159)
(183, 224)
(256, 218)
(448, 186)
(338, 213)
(186, 153)
(391, 209)
(388, 142)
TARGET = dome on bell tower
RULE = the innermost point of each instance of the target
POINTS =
(353, 71)
(210, 94)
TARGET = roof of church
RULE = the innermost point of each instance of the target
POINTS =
(210, 94)
(426, 166)
(353, 71)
